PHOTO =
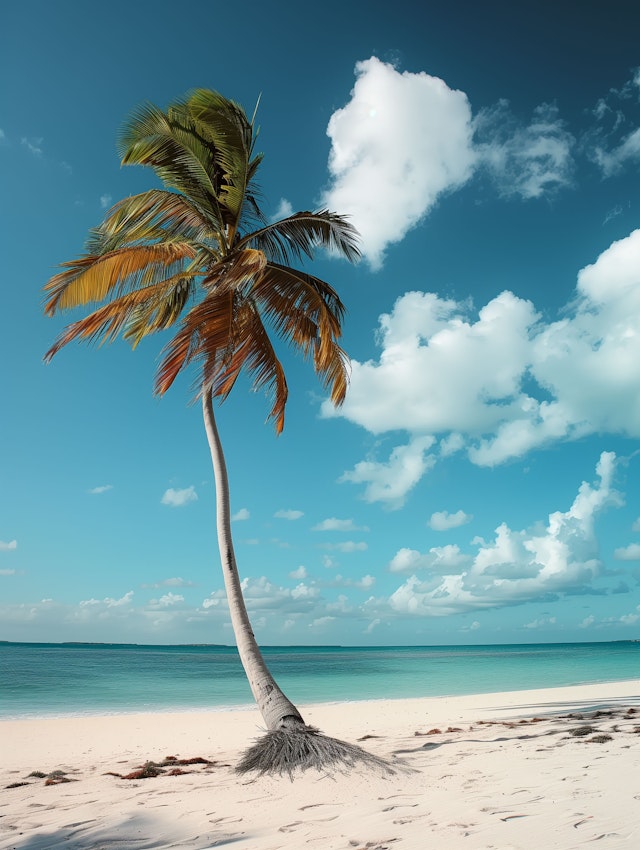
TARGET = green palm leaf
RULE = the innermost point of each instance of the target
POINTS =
(300, 234)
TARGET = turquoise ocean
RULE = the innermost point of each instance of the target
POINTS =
(41, 679)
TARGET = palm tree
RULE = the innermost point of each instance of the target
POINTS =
(200, 252)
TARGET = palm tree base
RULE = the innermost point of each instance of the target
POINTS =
(286, 751)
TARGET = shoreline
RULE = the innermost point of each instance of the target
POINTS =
(250, 706)
(509, 769)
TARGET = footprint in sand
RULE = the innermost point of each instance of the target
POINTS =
(400, 806)
(290, 827)
(314, 806)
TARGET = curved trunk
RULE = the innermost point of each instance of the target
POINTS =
(277, 711)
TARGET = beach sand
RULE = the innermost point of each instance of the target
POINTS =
(485, 772)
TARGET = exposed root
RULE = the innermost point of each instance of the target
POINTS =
(285, 751)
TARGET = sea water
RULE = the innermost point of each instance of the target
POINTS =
(40, 679)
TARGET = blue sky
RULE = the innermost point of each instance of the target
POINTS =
(480, 484)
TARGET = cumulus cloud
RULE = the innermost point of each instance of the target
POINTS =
(103, 488)
(105, 201)
(300, 573)
(438, 559)
(108, 602)
(334, 524)
(8, 547)
(443, 520)
(179, 498)
(543, 561)
(263, 596)
(402, 141)
(241, 515)
(540, 623)
(167, 600)
(446, 371)
(390, 482)
(288, 514)
(628, 553)
(630, 619)
(364, 583)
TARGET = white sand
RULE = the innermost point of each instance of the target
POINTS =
(497, 785)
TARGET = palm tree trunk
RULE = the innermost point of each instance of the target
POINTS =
(277, 711)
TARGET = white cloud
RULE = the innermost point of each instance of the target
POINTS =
(443, 520)
(402, 141)
(108, 602)
(264, 597)
(7, 572)
(525, 160)
(321, 622)
(284, 210)
(390, 482)
(8, 547)
(628, 553)
(614, 142)
(167, 600)
(299, 573)
(517, 566)
(364, 583)
(103, 488)
(587, 622)
(171, 582)
(347, 546)
(33, 145)
(438, 559)
(179, 498)
(406, 139)
(439, 371)
(288, 514)
(613, 161)
(630, 619)
(105, 201)
(241, 515)
(334, 524)
(636, 525)
(540, 623)
(443, 371)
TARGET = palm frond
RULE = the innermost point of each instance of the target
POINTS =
(307, 312)
(93, 278)
(231, 135)
(287, 751)
(298, 235)
(139, 313)
(209, 323)
(235, 272)
(152, 216)
(181, 157)
(284, 291)
(253, 352)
